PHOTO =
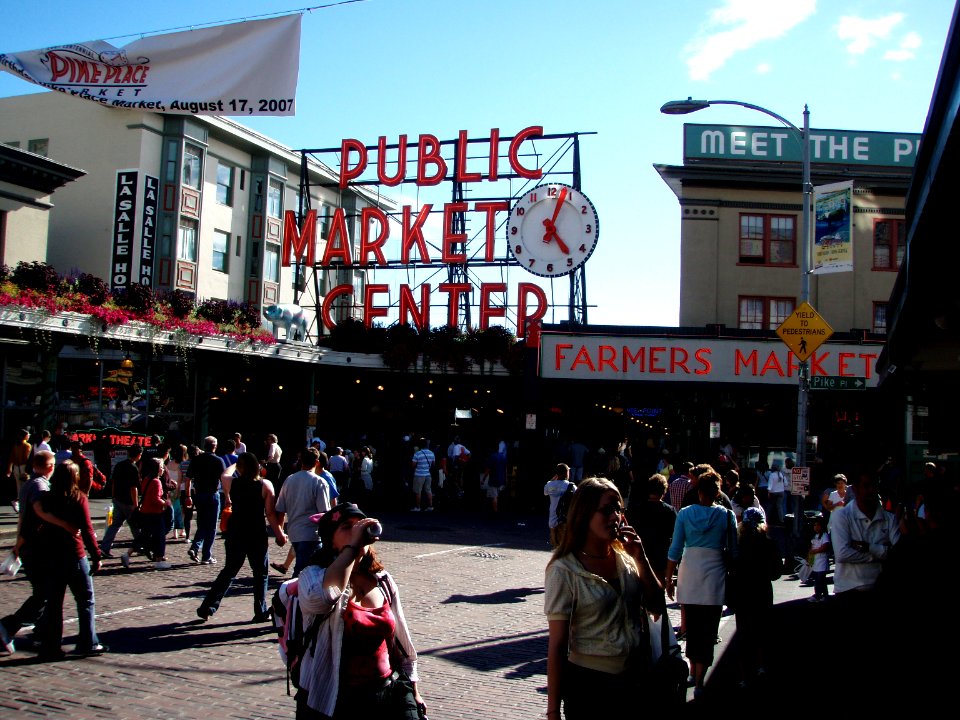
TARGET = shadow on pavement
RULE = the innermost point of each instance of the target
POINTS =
(174, 637)
(497, 653)
(513, 595)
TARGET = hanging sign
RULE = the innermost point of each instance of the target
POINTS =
(833, 229)
(245, 68)
(124, 223)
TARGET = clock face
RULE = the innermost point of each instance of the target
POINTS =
(552, 230)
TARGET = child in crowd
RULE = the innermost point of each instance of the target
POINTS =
(820, 551)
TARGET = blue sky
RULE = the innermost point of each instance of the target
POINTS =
(386, 67)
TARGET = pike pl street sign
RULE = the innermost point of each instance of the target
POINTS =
(835, 382)
(804, 331)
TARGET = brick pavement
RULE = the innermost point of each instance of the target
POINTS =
(472, 591)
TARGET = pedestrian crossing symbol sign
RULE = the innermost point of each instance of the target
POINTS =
(804, 331)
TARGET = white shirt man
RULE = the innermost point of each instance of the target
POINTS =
(861, 533)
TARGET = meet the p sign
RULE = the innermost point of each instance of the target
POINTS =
(804, 331)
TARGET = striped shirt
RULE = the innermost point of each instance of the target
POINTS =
(424, 459)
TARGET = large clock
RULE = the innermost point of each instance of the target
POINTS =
(552, 229)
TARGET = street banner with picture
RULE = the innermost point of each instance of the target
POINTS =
(245, 68)
(833, 228)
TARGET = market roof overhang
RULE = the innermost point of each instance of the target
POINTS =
(779, 176)
(35, 172)
(923, 314)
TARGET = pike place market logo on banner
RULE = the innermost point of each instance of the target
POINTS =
(201, 72)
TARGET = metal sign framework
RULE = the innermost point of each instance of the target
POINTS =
(560, 159)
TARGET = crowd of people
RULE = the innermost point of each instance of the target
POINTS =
(364, 659)
(626, 538)
(698, 535)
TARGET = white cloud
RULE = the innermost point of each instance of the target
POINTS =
(910, 42)
(763, 68)
(895, 76)
(863, 34)
(898, 55)
(749, 22)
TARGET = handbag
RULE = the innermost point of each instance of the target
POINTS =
(11, 565)
(667, 684)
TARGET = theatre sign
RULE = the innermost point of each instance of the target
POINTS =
(692, 359)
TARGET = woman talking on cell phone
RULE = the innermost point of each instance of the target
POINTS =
(598, 589)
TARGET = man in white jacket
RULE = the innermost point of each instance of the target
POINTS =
(861, 533)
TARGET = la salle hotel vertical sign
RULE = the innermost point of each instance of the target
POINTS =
(124, 227)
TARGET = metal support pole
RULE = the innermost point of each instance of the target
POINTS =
(805, 249)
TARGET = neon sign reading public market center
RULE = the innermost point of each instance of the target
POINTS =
(431, 169)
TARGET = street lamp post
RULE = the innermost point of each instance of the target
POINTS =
(684, 107)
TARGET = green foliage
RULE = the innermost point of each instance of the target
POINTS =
(93, 287)
(218, 311)
(403, 346)
(181, 303)
(138, 298)
(36, 275)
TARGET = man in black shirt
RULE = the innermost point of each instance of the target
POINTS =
(125, 479)
(203, 478)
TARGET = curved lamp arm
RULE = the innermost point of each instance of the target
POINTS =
(684, 107)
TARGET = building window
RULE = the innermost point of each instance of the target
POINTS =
(13, 143)
(187, 244)
(880, 318)
(221, 250)
(764, 313)
(271, 263)
(889, 244)
(323, 220)
(192, 166)
(224, 184)
(768, 239)
(274, 199)
(40, 146)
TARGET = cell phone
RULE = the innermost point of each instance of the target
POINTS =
(623, 523)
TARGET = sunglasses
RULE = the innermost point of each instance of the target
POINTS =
(611, 508)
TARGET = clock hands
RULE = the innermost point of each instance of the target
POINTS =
(551, 234)
(551, 227)
(556, 210)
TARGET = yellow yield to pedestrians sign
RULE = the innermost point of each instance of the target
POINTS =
(804, 331)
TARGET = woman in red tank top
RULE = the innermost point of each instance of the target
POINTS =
(364, 662)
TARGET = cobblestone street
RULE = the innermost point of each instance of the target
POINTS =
(472, 591)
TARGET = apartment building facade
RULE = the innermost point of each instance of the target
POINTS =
(191, 203)
(740, 236)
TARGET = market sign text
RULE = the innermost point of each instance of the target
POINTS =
(601, 357)
(299, 241)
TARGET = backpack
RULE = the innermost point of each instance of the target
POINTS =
(563, 504)
(294, 641)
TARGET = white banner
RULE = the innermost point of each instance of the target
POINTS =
(246, 68)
